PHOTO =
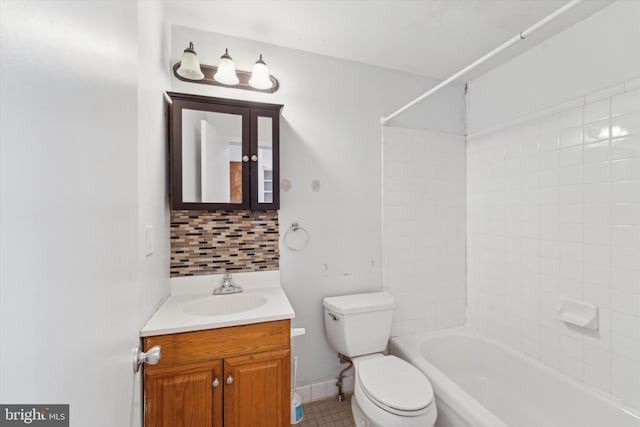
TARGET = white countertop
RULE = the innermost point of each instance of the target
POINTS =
(170, 317)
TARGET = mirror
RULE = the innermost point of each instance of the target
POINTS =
(211, 157)
(265, 160)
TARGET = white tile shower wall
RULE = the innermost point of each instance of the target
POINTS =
(554, 210)
(424, 228)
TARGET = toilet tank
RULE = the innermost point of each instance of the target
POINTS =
(358, 324)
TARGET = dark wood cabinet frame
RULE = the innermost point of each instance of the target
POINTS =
(249, 111)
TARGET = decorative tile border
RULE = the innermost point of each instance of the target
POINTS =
(205, 242)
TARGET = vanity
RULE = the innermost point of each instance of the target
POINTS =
(225, 359)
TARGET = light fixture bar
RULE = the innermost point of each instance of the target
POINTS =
(243, 76)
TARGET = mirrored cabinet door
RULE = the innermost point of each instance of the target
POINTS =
(224, 153)
(211, 157)
(265, 161)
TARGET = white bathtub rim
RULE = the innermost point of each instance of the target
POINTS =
(439, 377)
(472, 411)
(467, 407)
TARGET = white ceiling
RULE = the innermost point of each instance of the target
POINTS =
(428, 37)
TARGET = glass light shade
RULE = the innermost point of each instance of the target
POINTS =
(190, 66)
(616, 132)
(226, 73)
(260, 76)
(604, 133)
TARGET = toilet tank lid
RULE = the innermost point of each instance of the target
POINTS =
(359, 303)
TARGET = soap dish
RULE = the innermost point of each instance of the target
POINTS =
(578, 313)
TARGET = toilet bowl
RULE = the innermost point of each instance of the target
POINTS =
(388, 392)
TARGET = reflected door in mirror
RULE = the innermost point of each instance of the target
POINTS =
(235, 169)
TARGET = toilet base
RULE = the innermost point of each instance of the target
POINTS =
(359, 417)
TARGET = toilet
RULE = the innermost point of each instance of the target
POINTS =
(388, 392)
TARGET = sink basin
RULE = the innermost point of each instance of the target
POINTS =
(218, 305)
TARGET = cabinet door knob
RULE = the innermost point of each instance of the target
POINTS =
(254, 158)
(245, 159)
(229, 379)
(216, 383)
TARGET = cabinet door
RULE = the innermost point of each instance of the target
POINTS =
(265, 159)
(207, 139)
(257, 390)
(184, 396)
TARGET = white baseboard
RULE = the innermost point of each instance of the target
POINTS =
(324, 389)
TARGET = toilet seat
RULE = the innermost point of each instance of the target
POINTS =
(395, 386)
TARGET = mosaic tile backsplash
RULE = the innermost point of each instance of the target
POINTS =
(205, 242)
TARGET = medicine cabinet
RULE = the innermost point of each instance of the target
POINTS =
(224, 153)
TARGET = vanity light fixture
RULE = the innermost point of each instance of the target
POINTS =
(260, 76)
(225, 74)
(190, 66)
(226, 70)
(616, 132)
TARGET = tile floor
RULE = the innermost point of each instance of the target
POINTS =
(327, 413)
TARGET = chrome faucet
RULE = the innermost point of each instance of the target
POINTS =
(227, 286)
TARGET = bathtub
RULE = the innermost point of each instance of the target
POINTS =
(481, 383)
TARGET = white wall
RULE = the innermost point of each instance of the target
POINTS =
(554, 202)
(75, 285)
(330, 132)
(424, 228)
(153, 156)
(594, 54)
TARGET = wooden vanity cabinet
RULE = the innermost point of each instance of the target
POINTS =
(237, 376)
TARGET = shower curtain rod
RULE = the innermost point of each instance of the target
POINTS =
(514, 39)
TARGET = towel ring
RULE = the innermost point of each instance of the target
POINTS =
(296, 246)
